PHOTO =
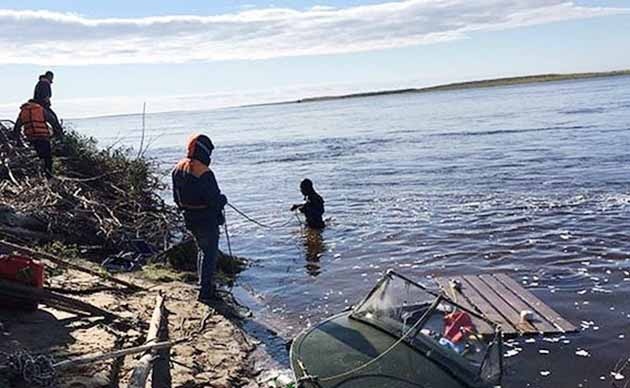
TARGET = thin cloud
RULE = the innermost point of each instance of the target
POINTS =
(53, 38)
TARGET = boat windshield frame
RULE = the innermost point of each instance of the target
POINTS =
(456, 364)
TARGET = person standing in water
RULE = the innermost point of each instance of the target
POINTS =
(313, 208)
(197, 193)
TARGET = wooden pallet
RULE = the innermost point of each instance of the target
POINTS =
(501, 299)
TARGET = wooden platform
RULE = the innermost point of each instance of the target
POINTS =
(501, 299)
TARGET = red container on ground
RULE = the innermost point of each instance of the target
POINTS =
(23, 270)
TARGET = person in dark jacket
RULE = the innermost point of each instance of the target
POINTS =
(43, 92)
(196, 192)
(34, 120)
(313, 208)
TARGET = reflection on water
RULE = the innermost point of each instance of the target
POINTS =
(529, 180)
(314, 247)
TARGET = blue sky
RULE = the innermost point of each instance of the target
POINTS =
(110, 56)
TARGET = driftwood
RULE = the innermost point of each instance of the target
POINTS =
(161, 373)
(65, 263)
(23, 292)
(145, 364)
(119, 353)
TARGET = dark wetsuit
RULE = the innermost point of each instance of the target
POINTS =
(313, 210)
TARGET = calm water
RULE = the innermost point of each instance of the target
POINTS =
(530, 180)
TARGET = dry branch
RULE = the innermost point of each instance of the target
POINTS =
(118, 353)
(22, 292)
(59, 261)
(144, 365)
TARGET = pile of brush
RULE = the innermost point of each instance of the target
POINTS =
(99, 199)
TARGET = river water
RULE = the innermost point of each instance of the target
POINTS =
(530, 180)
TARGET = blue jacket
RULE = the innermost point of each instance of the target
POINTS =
(195, 189)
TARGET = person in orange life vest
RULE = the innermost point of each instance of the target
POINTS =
(34, 120)
(196, 192)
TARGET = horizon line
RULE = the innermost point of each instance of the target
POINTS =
(461, 85)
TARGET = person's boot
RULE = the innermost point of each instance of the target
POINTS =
(207, 297)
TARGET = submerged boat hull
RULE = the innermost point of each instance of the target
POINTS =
(334, 349)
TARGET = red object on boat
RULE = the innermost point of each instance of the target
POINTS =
(23, 270)
(456, 325)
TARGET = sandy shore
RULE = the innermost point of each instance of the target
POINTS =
(217, 353)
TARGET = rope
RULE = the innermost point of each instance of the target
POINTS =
(317, 379)
(36, 370)
(227, 235)
(254, 221)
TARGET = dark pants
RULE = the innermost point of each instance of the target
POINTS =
(207, 239)
(44, 152)
(54, 115)
(46, 105)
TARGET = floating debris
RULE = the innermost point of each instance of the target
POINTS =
(582, 353)
(544, 351)
(511, 353)
(617, 376)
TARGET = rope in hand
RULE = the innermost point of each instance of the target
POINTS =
(254, 221)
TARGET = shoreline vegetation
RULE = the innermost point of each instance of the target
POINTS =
(488, 83)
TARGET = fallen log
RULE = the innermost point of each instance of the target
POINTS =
(23, 292)
(116, 354)
(161, 374)
(143, 367)
(65, 263)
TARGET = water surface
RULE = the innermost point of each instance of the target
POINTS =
(530, 180)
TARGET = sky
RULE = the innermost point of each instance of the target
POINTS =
(109, 57)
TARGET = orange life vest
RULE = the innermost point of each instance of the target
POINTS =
(457, 325)
(34, 121)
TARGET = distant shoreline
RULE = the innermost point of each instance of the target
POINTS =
(489, 83)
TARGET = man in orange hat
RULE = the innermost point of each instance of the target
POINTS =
(196, 192)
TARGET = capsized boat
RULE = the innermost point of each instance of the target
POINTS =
(401, 335)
